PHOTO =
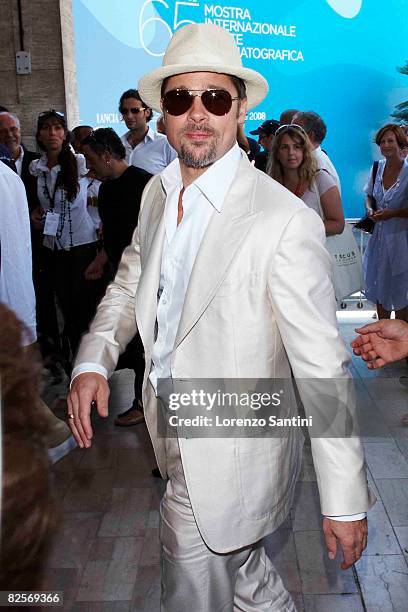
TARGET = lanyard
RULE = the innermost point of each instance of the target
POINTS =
(47, 191)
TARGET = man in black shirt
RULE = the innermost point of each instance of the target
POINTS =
(119, 202)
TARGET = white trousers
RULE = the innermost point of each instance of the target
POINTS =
(197, 578)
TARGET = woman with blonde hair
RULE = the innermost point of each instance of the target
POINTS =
(292, 164)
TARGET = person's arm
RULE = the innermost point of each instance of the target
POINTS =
(303, 302)
(37, 218)
(382, 342)
(16, 281)
(389, 213)
(369, 204)
(332, 208)
(111, 330)
(96, 267)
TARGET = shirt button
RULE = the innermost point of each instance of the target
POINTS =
(164, 302)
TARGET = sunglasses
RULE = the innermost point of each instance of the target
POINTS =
(133, 111)
(295, 126)
(218, 102)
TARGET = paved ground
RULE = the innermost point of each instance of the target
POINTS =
(106, 554)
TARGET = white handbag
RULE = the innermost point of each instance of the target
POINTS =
(347, 269)
(347, 264)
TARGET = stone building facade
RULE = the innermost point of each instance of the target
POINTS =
(45, 29)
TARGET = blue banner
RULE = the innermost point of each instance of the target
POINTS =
(335, 57)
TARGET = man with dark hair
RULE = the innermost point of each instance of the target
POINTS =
(118, 205)
(316, 130)
(145, 148)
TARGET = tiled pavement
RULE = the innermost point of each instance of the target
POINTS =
(106, 554)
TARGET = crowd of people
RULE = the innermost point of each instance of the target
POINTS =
(84, 188)
(82, 216)
(72, 209)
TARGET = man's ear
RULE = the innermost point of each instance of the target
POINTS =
(242, 110)
(106, 156)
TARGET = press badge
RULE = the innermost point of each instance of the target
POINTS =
(51, 223)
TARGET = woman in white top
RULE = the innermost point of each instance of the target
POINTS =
(292, 164)
(70, 241)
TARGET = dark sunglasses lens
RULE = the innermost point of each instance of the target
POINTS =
(177, 102)
(217, 101)
(128, 111)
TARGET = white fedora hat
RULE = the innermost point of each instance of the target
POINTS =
(201, 47)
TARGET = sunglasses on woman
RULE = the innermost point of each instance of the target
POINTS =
(218, 102)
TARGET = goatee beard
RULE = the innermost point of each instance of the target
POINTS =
(192, 159)
(199, 155)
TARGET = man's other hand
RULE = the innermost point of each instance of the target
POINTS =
(86, 388)
(350, 535)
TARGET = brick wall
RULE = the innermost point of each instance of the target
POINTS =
(49, 36)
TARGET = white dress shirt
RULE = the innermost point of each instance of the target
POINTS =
(19, 161)
(16, 283)
(92, 189)
(324, 162)
(203, 198)
(127, 145)
(83, 227)
(152, 154)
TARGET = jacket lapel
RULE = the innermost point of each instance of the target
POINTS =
(146, 296)
(222, 239)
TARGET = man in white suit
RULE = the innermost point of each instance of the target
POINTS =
(226, 277)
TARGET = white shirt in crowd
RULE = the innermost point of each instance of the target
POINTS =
(322, 182)
(82, 225)
(153, 154)
(16, 282)
(92, 189)
(19, 161)
(324, 162)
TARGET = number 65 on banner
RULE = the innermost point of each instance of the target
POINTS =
(177, 22)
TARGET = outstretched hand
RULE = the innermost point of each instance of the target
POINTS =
(382, 342)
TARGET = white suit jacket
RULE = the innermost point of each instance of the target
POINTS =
(259, 298)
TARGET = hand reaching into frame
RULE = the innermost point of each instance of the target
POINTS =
(382, 342)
